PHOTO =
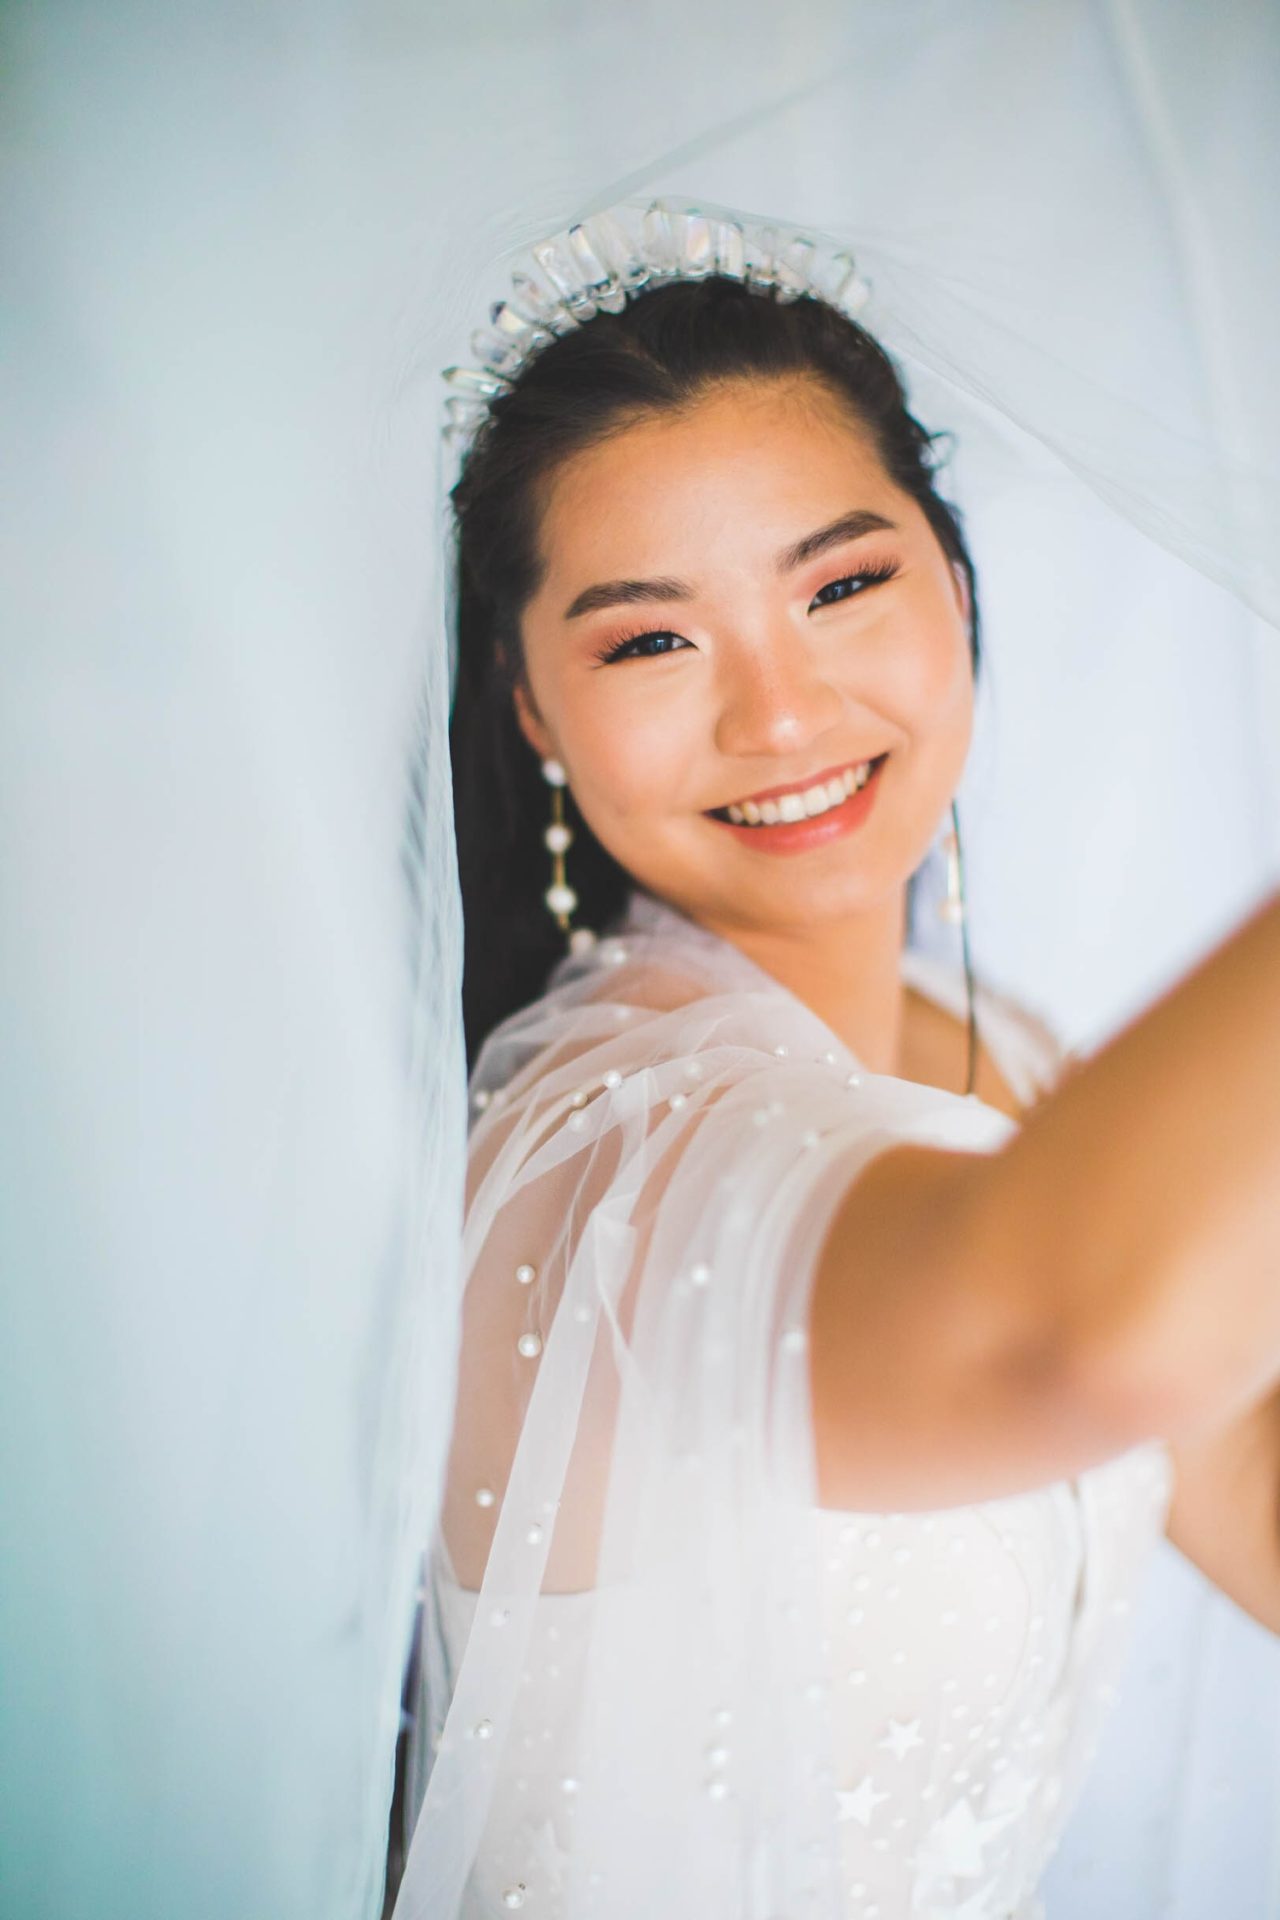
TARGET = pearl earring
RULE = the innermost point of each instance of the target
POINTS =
(558, 838)
(952, 908)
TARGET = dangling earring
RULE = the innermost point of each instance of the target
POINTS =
(558, 838)
(952, 909)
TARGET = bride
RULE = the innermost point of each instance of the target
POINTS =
(834, 1348)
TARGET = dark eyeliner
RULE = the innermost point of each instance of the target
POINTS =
(869, 575)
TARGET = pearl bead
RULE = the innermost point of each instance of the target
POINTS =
(578, 1098)
(717, 1756)
(576, 1122)
(612, 1078)
(679, 1100)
(781, 1051)
(581, 940)
(485, 1496)
(718, 1789)
(853, 1080)
(484, 1729)
(526, 1274)
(561, 899)
(554, 774)
(794, 1340)
(568, 1784)
(534, 1535)
(530, 1345)
(513, 1897)
(808, 1138)
(480, 1099)
(700, 1273)
(558, 838)
(582, 1315)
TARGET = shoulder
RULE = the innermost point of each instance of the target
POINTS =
(1035, 1036)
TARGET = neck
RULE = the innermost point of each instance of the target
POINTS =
(848, 972)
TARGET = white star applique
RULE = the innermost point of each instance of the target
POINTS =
(547, 1858)
(901, 1737)
(960, 1836)
(860, 1803)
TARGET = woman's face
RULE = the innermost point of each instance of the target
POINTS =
(749, 664)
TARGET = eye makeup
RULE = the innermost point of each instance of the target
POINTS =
(622, 646)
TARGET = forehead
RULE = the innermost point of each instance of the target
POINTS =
(767, 458)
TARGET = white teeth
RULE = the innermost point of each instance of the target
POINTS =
(804, 805)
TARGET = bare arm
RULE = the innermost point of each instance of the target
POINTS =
(985, 1323)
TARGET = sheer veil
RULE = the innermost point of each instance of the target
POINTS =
(1132, 433)
(235, 1109)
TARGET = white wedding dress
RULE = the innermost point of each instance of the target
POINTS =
(902, 1729)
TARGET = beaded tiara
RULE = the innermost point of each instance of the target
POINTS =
(598, 264)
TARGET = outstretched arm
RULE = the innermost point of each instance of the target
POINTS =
(1225, 1515)
(986, 1323)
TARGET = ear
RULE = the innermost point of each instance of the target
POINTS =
(530, 721)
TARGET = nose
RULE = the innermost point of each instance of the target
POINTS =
(773, 700)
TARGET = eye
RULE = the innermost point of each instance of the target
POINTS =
(629, 644)
(868, 576)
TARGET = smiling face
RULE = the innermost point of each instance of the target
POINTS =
(757, 660)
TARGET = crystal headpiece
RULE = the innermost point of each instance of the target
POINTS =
(600, 263)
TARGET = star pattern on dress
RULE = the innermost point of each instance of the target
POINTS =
(861, 1802)
(957, 1843)
(547, 1860)
(902, 1736)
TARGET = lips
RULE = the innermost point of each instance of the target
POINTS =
(810, 798)
(802, 786)
(809, 832)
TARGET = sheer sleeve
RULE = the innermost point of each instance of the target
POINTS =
(656, 1153)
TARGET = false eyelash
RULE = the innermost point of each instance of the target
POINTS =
(875, 570)
(870, 575)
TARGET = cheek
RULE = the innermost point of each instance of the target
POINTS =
(632, 753)
(927, 669)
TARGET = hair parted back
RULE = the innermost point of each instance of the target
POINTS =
(666, 348)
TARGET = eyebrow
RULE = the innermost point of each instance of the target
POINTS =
(627, 593)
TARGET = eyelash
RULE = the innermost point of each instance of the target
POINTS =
(866, 576)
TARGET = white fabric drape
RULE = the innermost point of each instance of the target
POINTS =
(242, 243)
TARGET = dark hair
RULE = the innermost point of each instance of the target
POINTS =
(663, 351)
